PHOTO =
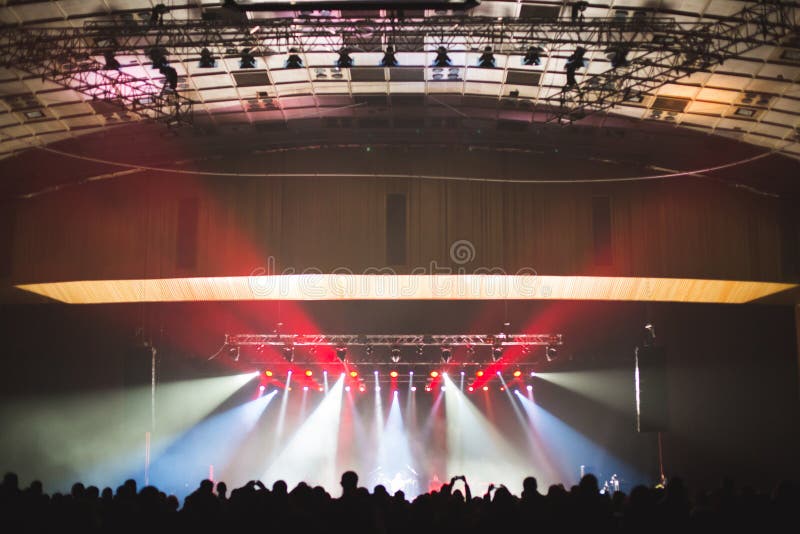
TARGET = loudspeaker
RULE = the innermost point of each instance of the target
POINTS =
(652, 402)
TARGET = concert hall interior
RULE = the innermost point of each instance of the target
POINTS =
(416, 240)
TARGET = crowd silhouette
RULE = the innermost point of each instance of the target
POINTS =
(454, 508)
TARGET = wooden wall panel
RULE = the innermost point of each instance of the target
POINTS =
(127, 227)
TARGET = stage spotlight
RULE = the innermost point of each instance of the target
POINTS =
(618, 56)
(388, 58)
(305, 388)
(498, 373)
(347, 388)
(533, 56)
(158, 57)
(344, 61)
(207, 60)
(420, 350)
(576, 13)
(261, 388)
(550, 353)
(479, 374)
(470, 389)
(574, 62)
(111, 61)
(497, 352)
(517, 373)
(353, 374)
(393, 374)
(268, 373)
(247, 60)
(362, 388)
(309, 372)
(485, 388)
(529, 388)
(413, 388)
(170, 76)
(235, 352)
(434, 374)
(427, 388)
(444, 388)
(487, 61)
(533, 373)
(447, 353)
(157, 14)
(462, 373)
(395, 354)
(341, 353)
(502, 388)
(294, 61)
(442, 59)
(320, 388)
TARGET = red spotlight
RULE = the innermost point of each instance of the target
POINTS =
(353, 374)
(268, 373)
(502, 388)
(479, 373)
(485, 388)
(471, 388)
(393, 374)
(517, 373)
(309, 372)
(434, 374)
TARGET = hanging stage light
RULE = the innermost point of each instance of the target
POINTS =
(497, 352)
(341, 353)
(344, 61)
(442, 59)
(487, 61)
(170, 76)
(395, 354)
(111, 61)
(389, 60)
(533, 56)
(550, 353)
(574, 62)
(247, 59)
(618, 56)
(158, 57)
(288, 353)
(447, 353)
(207, 59)
(294, 61)
(576, 13)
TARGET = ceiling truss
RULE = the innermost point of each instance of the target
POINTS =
(660, 49)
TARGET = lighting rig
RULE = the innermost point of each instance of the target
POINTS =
(433, 353)
(648, 51)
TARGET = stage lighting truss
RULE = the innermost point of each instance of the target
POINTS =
(414, 345)
(658, 49)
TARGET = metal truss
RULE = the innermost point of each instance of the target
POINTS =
(79, 71)
(674, 56)
(660, 49)
(393, 340)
